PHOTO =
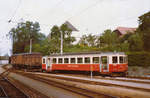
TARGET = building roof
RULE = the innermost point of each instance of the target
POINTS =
(125, 30)
(71, 26)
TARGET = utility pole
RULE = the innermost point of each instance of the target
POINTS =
(61, 47)
(12, 44)
(30, 45)
(0, 56)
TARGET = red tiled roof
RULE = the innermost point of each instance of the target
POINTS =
(125, 30)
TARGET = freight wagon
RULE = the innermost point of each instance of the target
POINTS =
(29, 61)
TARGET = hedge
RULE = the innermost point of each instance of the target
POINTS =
(139, 59)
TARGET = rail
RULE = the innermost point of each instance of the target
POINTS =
(27, 96)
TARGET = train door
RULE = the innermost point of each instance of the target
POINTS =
(44, 63)
(104, 66)
(49, 64)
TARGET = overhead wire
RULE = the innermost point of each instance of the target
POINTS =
(10, 20)
(57, 4)
(13, 15)
(84, 10)
(78, 13)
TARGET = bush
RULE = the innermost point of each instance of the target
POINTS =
(139, 59)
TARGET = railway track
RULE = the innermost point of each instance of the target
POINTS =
(70, 88)
(107, 82)
(11, 88)
(7, 89)
(126, 79)
(2, 92)
(94, 86)
(45, 78)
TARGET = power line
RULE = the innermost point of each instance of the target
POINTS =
(13, 15)
(57, 4)
(84, 10)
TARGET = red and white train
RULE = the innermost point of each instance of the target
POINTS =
(106, 63)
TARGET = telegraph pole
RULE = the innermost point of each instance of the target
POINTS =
(12, 45)
(61, 47)
(30, 45)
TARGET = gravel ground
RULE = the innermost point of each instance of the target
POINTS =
(139, 71)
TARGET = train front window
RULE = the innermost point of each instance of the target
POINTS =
(79, 60)
(66, 60)
(121, 59)
(43, 60)
(95, 59)
(60, 60)
(87, 59)
(54, 60)
(73, 60)
(114, 59)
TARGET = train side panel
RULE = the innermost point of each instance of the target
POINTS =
(76, 67)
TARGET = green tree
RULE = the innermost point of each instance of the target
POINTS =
(135, 43)
(89, 40)
(144, 30)
(22, 34)
(53, 41)
(83, 41)
(108, 38)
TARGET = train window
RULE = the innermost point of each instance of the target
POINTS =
(87, 59)
(73, 60)
(66, 60)
(43, 60)
(104, 59)
(114, 59)
(79, 60)
(125, 60)
(95, 59)
(54, 60)
(60, 60)
(121, 59)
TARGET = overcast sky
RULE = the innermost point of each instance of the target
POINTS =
(88, 16)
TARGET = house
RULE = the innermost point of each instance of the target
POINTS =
(124, 30)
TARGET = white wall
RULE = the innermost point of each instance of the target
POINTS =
(4, 61)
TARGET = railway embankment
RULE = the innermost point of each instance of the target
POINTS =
(137, 71)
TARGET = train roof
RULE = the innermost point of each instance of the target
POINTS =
(88, 53)
(37, 53)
